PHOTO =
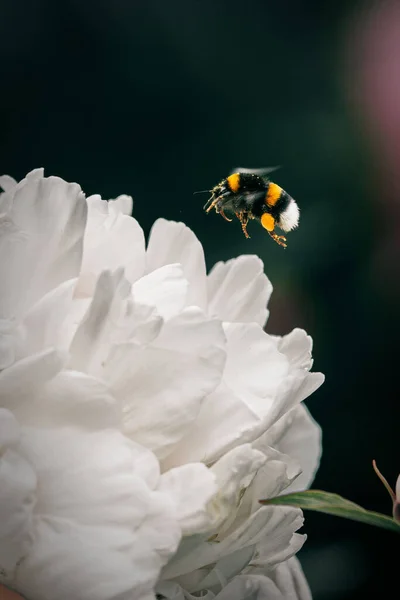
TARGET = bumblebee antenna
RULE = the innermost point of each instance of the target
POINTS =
(201, 192)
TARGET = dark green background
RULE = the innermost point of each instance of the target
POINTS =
(158, 99)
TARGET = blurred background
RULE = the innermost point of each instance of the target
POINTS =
(158, 99)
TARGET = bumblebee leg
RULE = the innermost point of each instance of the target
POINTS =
(279, 239)
(214, 200)
(210, 204)
(221, 212)
(244, 219)
(207, 203)
(268, 222)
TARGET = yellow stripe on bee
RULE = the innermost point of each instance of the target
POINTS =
(234, 182)
(273, 194)
(268, 222)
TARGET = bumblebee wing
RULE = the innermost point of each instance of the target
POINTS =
(262, 171)
(245, 200)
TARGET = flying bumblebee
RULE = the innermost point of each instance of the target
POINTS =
(251, 195)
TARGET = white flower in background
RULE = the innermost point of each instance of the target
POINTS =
(141, 400)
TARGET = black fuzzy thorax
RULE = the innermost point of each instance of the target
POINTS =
(251, 183)
(250, 196)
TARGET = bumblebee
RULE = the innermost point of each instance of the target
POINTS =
(251, 195)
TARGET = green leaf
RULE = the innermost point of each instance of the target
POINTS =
(333, 504)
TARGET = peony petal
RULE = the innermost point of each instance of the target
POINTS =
(290, 580)
(297, 434)
(297, 346)
(112, 240)
(250, 587)
(239, 410)
(87, 563)
(7, 183)
(28, 376)
(193, 486)
(17, 497)
(72, 398)
(103, 467)
(43, 324)
(9, 429)
(173, 591)
(297, 386)
(172, 242)
(228, 567)
(142, 324)
(41, 239)
(121, 204)
(272, 479)
(274, 527)
(10, 342)
(93, 337)
(165, 288)
(234, 473)
(224, 570)
(161, 386)
(269, 556)
(112, 535)
(238, 290)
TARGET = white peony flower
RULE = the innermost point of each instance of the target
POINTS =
(285, 582)
(248, 431)
(142, 400)
(99, 379)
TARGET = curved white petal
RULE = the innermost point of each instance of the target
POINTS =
(272, 479)
(161, 386)
(297, 346)
(243, 405)
(27, 377)
(10, 342)
(41, 238)
(290, 580)
(7, 183)
(71, 398)
(193, 486)
(17, 497)
(296, 387)
(273, 526)
(111, 536)
(171, 242)
(92, 340)
(114, 316)
(122, 204)
(268, 556)
(234, 473)
(285, 578)
(43, 325)
(170, 590)
(112, 240)
(164, 288)
(297, 434)
(238, 290)
(251, 587)
(142, 323)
